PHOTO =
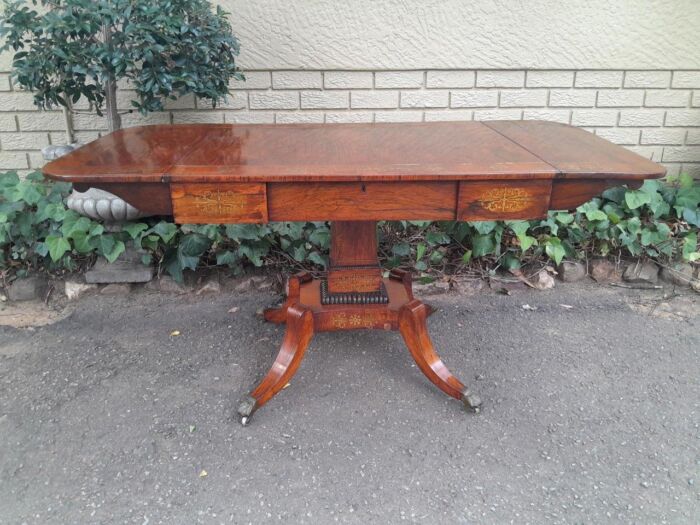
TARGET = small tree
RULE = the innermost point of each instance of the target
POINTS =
(70, 49)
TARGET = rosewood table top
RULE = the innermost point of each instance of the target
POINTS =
(431, 171)
(352, 175)
(437, 151)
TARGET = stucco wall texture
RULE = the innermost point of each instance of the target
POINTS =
(628, 71)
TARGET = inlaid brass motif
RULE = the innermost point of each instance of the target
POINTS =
(364, 321)
(506, 199)
(340, 320)
(219, 202)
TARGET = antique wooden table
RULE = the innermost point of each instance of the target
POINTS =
(352, 175)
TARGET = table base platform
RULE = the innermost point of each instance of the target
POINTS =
(304, 313)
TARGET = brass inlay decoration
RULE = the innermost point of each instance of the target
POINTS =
(219, 202)
(506, 199)
(340, 320)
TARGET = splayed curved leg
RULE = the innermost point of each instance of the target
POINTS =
(412, 325)
(279, 315)
(300, 330)
(276, 315)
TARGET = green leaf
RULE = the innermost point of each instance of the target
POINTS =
(57, 246)
(483, 245)
(692, 216)
(227, 258)
(75, 224)
(321, 237)
(81, 242)
(134, 228)
(245, 232)
(299, 253)
(420, 250)
(165, 230)
(634, 225)
(555, 250)
(592, 212)
(117, 249)
(564, 218)
(636, 199)
(509, 262)
(690, 246)
(685, 181)
(402, 249)
(9, 179)
(436, 257)
(484, 227)
(616, 195)
(435, 238)
(467, 256)
(191, 248)
(254, 252)
(319, 259)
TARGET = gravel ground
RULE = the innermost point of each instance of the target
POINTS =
(590, 415)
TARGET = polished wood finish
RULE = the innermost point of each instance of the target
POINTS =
(413, 328)
(575, 153)
(353, 175)
(300, 330)
(508, 200)
(353, 258)
(219, 203)
(346, 172)
(348, 152)
(347, 201)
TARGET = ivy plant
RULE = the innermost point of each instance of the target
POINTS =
(660, 221)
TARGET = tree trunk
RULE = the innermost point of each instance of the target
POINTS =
(114, 120)
(68, 120)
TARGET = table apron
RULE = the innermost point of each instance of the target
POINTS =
(260, 202)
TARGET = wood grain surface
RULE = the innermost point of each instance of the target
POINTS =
(313, 172)
(219, 203)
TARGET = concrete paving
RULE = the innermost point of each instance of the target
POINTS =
(590, 415)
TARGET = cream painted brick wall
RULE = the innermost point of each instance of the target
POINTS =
(425, 99)
(550, 79)
(598, 79)
(686, 79)
(450, 79)
(348, 80)
(296, 79)
(374, 99)
(647, 79)
(325, 99)
(655, 113)
(398, 79)
(572, 97)
(474, 98)
(500, 78)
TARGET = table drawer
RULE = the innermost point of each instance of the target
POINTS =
(491, 201)
(367, 201)
(219, 203)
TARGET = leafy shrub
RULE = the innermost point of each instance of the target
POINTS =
(73, 49)
(660, 221)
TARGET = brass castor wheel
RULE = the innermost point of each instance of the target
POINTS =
(471, 401)
(246, 409)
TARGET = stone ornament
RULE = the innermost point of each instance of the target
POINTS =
(102, 205)
(94, 203)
